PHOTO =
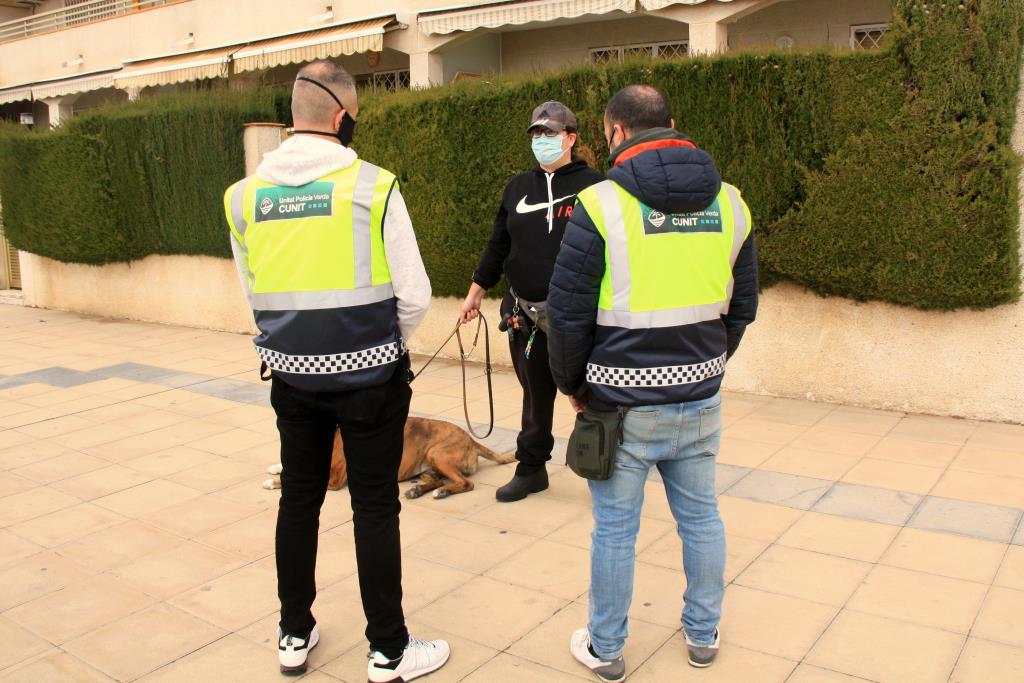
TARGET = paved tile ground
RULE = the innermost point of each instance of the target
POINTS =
(136, 541)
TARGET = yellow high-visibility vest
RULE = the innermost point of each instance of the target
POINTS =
(661, 271)
(317, 275)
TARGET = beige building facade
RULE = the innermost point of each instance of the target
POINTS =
(58, 57)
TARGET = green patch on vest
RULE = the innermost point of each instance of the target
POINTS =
(306, 201)
(658, 223)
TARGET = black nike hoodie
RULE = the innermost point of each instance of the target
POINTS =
(528, 229)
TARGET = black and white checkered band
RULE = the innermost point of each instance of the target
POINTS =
(330, 364)
(672, 375)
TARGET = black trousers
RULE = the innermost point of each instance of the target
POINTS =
(535, 441)
(372, 423)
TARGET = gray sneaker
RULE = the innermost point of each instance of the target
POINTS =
(702, 656)
(608, 671)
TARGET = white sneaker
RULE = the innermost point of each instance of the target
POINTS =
(419, 658)
(292, 651)
(611, 671)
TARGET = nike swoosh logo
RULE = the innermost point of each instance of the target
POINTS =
(524, 207)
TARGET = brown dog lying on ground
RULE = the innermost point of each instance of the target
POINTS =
(434, 450)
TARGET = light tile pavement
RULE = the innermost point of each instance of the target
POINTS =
(137, 544)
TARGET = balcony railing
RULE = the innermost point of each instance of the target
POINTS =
(74, 13)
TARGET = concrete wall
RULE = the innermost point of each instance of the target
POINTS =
(966, 363)
(12, 13)
(195, 291)
(546, 49)
(810, 23)
(479, 54)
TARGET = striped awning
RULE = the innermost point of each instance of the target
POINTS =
(192, 66)
(498, 14)
(15, 95)
(346, 39)
(651, 5)
(73, 85)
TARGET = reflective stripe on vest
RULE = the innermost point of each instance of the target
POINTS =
(638, 302)
(329, 298)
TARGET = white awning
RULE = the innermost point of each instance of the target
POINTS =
(177, 69)
(651, 5)
(498, 14)
(347, 39)
(15, 95)
(73, 85)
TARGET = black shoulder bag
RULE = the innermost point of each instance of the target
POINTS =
(595, 439)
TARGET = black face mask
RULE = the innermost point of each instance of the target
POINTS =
(348, 124)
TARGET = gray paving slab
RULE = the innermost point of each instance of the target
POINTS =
(777, 488)
(232, 390)
(180, 380)
(1018, 538)
(869, 503)
(55, 376)
(978, 520)
(728, 475)
(11, 382)
(132, 371)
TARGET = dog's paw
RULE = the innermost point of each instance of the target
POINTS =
(275, 469)
(441, 493)
(271, 484)
(414, 492)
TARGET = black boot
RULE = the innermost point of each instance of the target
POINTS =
(523, 485)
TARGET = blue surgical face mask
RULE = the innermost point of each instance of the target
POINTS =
(548, 150)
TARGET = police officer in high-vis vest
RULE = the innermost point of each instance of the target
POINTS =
(652, 290)
(328, 259)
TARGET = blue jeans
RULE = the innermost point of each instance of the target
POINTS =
(681, 440)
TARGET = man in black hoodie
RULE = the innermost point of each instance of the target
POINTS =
(527, 234)
(652, 291)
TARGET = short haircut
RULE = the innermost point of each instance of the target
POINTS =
(639, 107)
(310, 103)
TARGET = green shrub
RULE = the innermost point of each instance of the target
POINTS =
(56, 198)
(124, 182)
(773, 117)
(884, 175)
(920, 208)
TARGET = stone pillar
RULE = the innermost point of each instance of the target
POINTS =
(29, 286)
(133, 92)
(258, 139)
(426, 69)
(708, 38)
(60, 109)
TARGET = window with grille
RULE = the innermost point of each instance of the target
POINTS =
(385, 81)
(868, 36)
(627, 53)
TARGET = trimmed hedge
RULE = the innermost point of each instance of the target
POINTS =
(922, 209)
(773, 117)
(124, 182)
(884, 175)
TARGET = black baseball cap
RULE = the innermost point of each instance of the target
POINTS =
(553, 116)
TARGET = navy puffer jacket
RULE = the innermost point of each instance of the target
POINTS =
(673, 178)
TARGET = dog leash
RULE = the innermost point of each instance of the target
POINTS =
(463, 357)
